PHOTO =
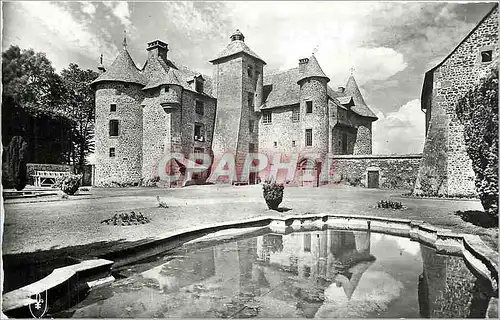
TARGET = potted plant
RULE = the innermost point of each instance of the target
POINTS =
(273, 194)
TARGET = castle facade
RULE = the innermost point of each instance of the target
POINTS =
(167, 108)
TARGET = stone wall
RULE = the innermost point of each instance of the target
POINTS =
(281, 130)
(395, 171)
(126, 166)
(446, 168)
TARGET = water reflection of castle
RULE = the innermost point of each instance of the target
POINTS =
(288, 270)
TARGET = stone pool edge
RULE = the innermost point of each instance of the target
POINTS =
(481, 258)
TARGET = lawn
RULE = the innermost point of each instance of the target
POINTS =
(52, 223)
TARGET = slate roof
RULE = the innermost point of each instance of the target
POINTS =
(235, 47)
(312, 69)
(123, 69)
(281, 89)
(360, 106)
(154, 73)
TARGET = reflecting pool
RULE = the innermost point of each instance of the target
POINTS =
(325, 274)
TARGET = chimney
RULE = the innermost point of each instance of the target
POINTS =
(341, 89)
(302, 64)
(156, 49)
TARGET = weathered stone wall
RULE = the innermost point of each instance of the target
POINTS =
(282, 130)
(249, 88)
(314, 89)
(126, 166)
(395, 171)
(363, 144)
(451, 173)
(228, 87)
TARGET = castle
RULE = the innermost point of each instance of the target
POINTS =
(167, 108)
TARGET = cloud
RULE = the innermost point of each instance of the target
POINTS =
(400, 132)
(58, 33)
(88, 8)
(120, 10)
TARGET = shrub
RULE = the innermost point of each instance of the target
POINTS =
(389, 204)
(16, 158)
(127, 219)
(70, 183)
(477, 110)
(273, 194)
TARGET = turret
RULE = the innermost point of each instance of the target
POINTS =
(313, 106)
(118, 121)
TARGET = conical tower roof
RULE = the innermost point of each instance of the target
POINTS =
(123, 69)
(313, 69)
(360, 106)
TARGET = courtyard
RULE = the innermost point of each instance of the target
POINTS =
(38, 224)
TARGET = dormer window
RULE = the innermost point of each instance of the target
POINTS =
(198, 83)
(486, 55)
(166, 89)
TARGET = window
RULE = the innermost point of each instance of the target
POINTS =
(295, 115)
(275, 144)
(309, 137)
(486, 55)
(250, 100)
(309, 106)
(344, 143)
(307, 242)
(112, 107)
(166, 89)
(251, 147)
(250, 71)
(198, 86)
(199, 109)
(257, 73)
(293, 143)
(199, 132)
(251, 125)
(113, 128)
(111, 152)
(266, 118)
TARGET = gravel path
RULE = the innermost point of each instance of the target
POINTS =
(56, 223)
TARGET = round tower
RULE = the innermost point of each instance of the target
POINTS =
(118, 123)
(313, 106)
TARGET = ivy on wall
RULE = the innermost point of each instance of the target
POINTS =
(478, 112)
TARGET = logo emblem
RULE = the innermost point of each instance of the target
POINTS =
(39, 307)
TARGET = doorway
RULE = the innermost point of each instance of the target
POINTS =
(373, 179)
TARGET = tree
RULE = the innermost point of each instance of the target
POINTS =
(16, 162)
(32, 104)
(79, 101)
(478, 112)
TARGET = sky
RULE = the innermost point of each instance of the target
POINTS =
(389, 45)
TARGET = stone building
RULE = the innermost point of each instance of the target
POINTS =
(164, 107)
(143, 114)
(446, 169)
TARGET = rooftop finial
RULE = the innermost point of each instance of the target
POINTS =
(124, 39)
(101, 59)
(352, 71)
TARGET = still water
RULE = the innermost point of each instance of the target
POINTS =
(328, 273)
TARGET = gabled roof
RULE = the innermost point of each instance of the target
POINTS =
(123, 69)
(281, 89)
(360, 106)
(312, 69)
(235, 47)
